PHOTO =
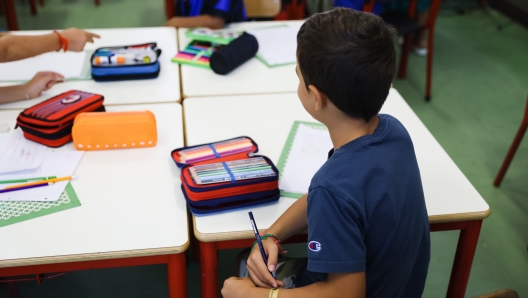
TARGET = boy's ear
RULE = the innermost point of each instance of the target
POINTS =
(319, 98)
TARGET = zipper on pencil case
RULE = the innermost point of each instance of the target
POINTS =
(232, 199)
(37, 121)
(199, 210)
(231, 191)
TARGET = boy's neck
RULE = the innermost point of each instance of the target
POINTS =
(344, 129)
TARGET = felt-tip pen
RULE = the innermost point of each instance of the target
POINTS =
(259, 241)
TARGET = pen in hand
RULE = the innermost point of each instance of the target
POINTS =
(259, 241)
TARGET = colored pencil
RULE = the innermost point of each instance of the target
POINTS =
(24, 187)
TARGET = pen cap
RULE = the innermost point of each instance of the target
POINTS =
(231, 56)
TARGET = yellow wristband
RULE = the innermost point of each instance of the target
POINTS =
(274, 293)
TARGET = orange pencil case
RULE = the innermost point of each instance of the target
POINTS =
(114, 130)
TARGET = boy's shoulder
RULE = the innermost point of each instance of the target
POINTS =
(374, 157)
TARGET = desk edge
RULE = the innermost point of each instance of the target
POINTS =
(94, 256)
(248, 234)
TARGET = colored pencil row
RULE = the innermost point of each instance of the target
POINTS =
(243, 169)
(225, 148)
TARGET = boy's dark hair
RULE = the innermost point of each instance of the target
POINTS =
(349, 56)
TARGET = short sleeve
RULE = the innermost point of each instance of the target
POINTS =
(335, 237)
(219, 8)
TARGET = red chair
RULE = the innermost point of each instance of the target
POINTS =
(406, 25)
(513, 148)
(33, 5)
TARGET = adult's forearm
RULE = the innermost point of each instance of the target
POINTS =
(18, 47)
(12, 93)
(293, 221)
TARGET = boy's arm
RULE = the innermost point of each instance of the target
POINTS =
(205, 20)
(350, 285)
(292, 222)
(18, 47)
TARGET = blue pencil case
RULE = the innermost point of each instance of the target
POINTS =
(227, 195)
(133, 62)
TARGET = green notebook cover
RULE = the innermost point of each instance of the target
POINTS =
(12, 212)
(222, 36)
(286, 152)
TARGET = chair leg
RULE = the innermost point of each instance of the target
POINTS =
(511, 153)
(404, 59)
(429, 76)
(97, 2)
(41, 2)
(33, 6)
(169, 8)
(13, 290)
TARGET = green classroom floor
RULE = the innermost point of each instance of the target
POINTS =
(480, 84)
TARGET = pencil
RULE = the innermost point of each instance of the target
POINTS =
(24, 187)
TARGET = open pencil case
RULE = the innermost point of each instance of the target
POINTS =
(131, 62)
(50, 122)
(233, 194)
(204, 42)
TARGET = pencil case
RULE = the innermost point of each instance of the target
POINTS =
(114, 130)
(224, 196)
(132, 62)
(50, 122)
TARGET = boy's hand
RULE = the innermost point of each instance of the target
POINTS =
(42, 81)
(237, 287)
(258, 270)
(78, 38)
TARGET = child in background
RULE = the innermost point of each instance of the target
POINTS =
(368, 229)
(18, 47)
(212, 14)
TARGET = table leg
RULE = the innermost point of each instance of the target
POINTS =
(467, 244)
(177, 276)
(12, 23)
(209, 269)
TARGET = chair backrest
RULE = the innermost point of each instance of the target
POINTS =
(262, 8)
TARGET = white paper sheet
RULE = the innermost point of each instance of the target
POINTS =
(56, 163)
(68, 64)
(18, 154)
(309, 151)
(277, 45)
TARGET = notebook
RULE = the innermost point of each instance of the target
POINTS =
(73, 66)
(305, 151)
(277, 45)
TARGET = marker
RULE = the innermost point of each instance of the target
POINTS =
(25, 187)
(259, 242)
(43, 181)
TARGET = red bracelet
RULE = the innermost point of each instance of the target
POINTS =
(281, 250)
(63, 41)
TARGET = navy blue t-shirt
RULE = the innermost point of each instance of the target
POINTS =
(366, 212)
(230, 10)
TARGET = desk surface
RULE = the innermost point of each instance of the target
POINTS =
(131, 204)
(252, 77)
(165, 88)
(448, 193)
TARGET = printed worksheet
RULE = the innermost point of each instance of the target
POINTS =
(308, 152)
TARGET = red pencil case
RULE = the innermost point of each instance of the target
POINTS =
(217, 197)
(50, 122)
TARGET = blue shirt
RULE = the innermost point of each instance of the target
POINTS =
(358, 5)
(366, 212)
(230, 10)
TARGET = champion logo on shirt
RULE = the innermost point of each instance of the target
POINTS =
(314, 246)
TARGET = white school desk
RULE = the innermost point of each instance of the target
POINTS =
(252, 77)
(132, 212)
(452, 202)
(165, 88)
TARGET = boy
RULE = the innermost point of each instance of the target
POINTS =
(212, 14)
(368, 229)
(18, 47)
